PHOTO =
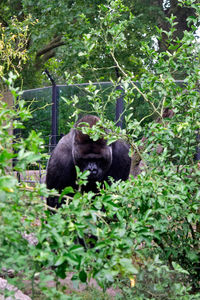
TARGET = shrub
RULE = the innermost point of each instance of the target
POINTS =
(141, 235)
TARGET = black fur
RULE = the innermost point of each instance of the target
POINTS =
(77, 148)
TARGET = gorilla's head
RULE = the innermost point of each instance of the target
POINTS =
(94, 156)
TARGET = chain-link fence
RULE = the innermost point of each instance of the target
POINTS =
(51, 113)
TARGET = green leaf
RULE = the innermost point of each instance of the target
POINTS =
(77, 249)
(127, 265)
(66, 191)
(179, 269)
(83, 276)
(59, 261)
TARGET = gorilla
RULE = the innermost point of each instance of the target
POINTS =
(78, 149)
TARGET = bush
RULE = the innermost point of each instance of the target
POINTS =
(141, 235)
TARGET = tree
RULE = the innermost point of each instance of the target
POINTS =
(13, 46)
(57, 40)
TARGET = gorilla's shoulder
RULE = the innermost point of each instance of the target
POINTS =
(121, 161)
(60, 167)
(65, 143)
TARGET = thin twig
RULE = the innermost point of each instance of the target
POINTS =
(136, 87)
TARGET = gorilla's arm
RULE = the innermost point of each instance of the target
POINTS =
(121, 161)
(60, 170)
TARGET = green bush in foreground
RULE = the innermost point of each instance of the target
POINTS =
(144, 229)
(142, 235)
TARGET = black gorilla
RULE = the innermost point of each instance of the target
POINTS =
(77, 148)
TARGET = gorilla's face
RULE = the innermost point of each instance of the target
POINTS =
(94, 166)
(94, 156)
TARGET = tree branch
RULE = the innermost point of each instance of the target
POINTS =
(55, 43)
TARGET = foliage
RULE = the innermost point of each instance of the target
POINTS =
(56, 43)
(19, 203)
(13, 43)
(170, 183)
(54, 28)
(141, 235)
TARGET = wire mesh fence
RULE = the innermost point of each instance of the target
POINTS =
(51, 113)
(34, 176)
(41, 104)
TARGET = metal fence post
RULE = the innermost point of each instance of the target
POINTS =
(119, 108)
(54, 112)
(197, 156)
(120, 103)
(54, 116)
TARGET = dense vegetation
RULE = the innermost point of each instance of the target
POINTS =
(60, 31)
(141, 236)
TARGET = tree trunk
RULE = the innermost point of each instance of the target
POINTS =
(181, 14)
